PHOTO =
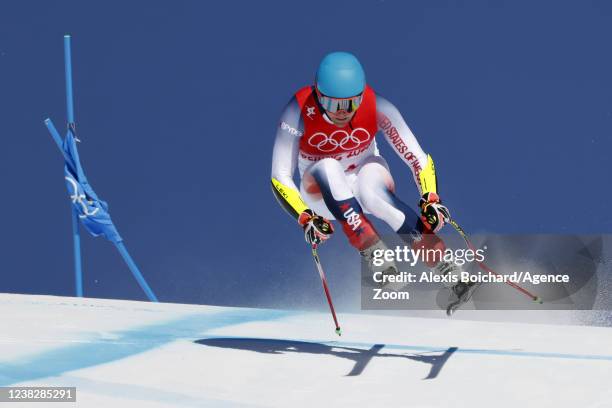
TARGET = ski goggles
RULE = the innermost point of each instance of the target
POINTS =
(335, 104)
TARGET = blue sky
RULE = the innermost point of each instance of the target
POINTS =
(177, 104)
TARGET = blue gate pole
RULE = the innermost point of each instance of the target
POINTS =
(76, 243)
(68, 71)
(135, 271)
(76, 237)
(75, 216)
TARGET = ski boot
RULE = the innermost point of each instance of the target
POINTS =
(387, 268)
(448, 270)
(464, 292)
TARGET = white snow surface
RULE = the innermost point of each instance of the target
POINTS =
(137, 354)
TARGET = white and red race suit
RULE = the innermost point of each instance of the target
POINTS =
(342, 174)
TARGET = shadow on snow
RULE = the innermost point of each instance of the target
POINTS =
(361, 357)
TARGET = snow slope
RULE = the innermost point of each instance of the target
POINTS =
(136, 354)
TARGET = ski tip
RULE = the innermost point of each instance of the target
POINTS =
(538, 299)
(338, 331)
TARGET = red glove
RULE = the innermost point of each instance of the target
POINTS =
(433, 214)
(316, 228)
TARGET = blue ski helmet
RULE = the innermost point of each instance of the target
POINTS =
(340, 75)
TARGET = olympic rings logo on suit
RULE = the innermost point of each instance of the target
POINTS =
(340, 139)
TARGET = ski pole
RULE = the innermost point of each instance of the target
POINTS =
(315, 255)
(487, 269)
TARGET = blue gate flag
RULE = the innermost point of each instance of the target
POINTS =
(86, 205)
(92, 211)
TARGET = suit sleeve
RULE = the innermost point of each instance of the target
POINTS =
(397, 133)
(284, 160)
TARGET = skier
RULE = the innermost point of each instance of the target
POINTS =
(327, 130)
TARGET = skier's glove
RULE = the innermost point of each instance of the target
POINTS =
(316, 228)
(433, 214)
